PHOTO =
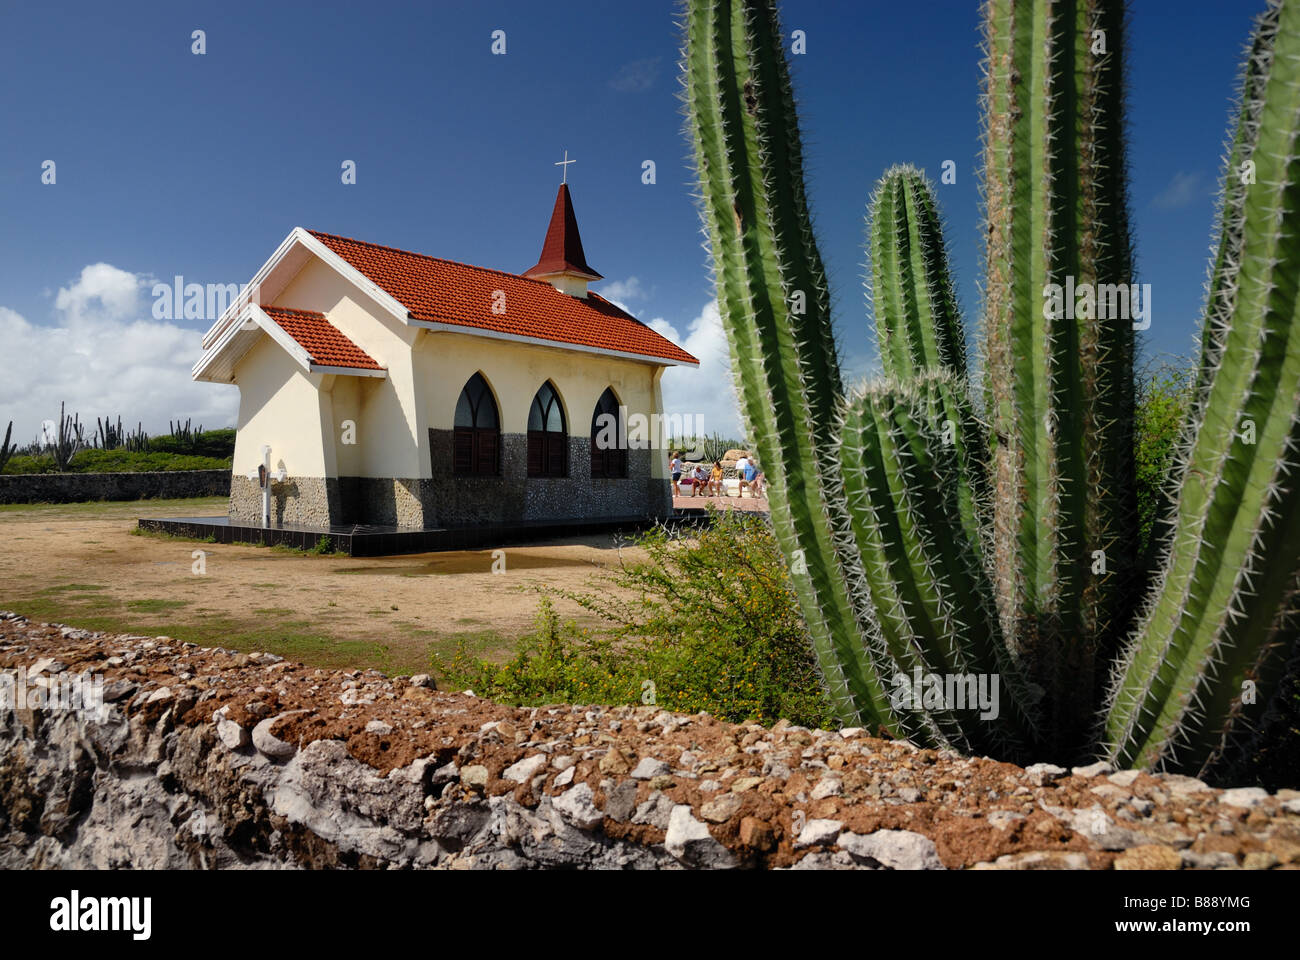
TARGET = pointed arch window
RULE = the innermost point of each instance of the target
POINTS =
(476, 438)
(548, 442)
(608, 439)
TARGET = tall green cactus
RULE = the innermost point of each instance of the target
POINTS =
(1060, 390)
(775, 302)
(907, 483)
(1224, 614)
(899, 560)
(918, 325)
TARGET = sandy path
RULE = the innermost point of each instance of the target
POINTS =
(81, 564)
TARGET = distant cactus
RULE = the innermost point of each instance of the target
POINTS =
(186, 436)
(922, 540)
(137, 442)
(6, 449)
(67, 442)
(108, 436)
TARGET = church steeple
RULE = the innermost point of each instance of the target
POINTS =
(563, 263)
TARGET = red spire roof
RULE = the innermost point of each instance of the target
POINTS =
(562, 251)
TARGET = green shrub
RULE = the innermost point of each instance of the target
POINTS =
(209, 443)
(708, 622)
(120, 460)
(1164, 391)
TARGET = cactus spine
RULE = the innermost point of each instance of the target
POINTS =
(1224, 613)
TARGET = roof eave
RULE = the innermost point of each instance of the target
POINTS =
(438, 326)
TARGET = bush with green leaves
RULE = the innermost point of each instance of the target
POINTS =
(1164, 394)
(707, 621)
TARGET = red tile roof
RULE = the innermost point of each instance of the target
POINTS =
(323, 341)
(562, 249)
(443, 291)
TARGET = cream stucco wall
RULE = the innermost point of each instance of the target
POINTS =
(280, 404)
(444, 361)
(389, 421)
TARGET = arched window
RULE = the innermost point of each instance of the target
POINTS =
(608, 440)
(548, 443)
(477, 432)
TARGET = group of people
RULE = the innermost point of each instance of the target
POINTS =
(710, 483)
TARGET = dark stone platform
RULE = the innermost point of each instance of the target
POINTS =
(369, 540)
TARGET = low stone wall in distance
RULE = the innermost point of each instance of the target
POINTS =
(82, 487)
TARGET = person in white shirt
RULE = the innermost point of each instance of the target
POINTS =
(741, 464)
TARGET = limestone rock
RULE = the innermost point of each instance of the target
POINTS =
(648, 768)
(269, 745)
(722, 808)
(1149, 857)
(656, 811)
(232, 734)
(577, 805)
(1244, 796)
(1042, 774)
(525, 769)
(1099, 769)
(1037, 860)
(818, 831)
(690, 842)
(895, 849)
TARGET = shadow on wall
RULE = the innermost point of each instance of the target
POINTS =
(281, 493)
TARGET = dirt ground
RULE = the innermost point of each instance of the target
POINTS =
(81, 564)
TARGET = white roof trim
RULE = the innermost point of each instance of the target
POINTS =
(372, 289)
(281, 336)
(543, 342)
(300, 237)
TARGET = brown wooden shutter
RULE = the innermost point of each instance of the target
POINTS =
(463, 450)
(556, 450)
(536, 453)
(485, 453)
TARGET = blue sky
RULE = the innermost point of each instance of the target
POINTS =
(170, 163)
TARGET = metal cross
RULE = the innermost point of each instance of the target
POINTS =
(565, 164)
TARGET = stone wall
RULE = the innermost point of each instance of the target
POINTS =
(210, 758)
(449, 500)
(305, 501)
(514, 496)
(82, 487)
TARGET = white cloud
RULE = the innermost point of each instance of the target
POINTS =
(1184, 189)
(620, 292)
(707, 391)
(636, 76)
(103, 359)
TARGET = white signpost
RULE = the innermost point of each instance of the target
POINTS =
(264, 476)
